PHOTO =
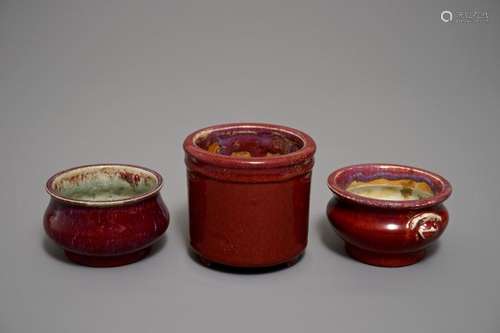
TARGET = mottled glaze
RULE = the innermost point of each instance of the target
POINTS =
(387, 189)
(382, 232)
(249, 209)
(105, 215)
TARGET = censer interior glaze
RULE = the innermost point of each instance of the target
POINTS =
(387, 189)
(249, 143)
(104, 183)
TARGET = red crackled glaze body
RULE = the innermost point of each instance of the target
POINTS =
(105, 233)
(387, 233)
(249, 196)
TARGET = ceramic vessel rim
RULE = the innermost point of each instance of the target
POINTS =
(306, 151)
(437, 198)
(105, 203)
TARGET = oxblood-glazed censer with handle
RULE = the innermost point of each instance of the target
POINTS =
(248, 190)
(387, 214)
(105, 215)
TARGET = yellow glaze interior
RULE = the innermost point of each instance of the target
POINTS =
(388, 189)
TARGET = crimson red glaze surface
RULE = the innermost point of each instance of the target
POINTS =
(387, 232)
(106, 233)
(249, 212)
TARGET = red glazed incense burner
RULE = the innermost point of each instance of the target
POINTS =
(105, 215)
(387, 214)
(248, 190)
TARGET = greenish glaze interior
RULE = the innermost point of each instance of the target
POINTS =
(104, 184)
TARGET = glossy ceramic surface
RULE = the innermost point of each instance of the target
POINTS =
(249, 193)
(383, 229)
(105, 215)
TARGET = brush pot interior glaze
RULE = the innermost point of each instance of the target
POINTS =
(248, 188)
(105, 215)
(388, 214)
(249, 143)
